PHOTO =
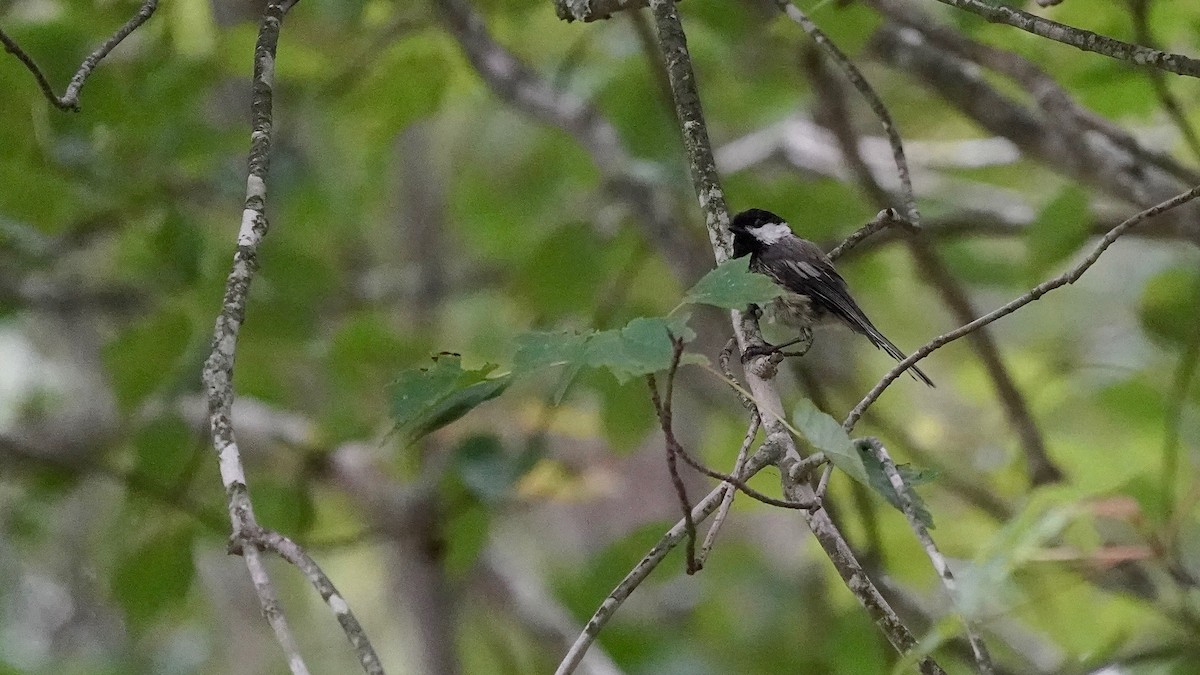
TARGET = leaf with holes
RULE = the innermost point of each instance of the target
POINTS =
(427, 399)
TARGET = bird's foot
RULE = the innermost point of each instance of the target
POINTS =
(765, 348)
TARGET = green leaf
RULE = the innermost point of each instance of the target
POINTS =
(539, 350)
(912, 477)
(1059, 230)
(427, 399)
(154, 576)
(642, 347)
(826, 435)
(731, 285)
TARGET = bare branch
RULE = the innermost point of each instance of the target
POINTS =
(663, 410)
(1068, 277)
(882, 220)
(247, 535)
(739, 466)
(1079, 38)
(593, 10)
(70, 98)
(293, 553)
(983, 661)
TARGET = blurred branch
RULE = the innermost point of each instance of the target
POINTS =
(1140, 11)
(70, 98)
(1069, 118)
(983, 661)
(1185, 373)
(1079, 38)
(12, 450)
(248, 537)
(915, 44)
(519, 85)
(1069, 277)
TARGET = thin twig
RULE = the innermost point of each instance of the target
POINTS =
(70, 98)
(710, 537)
(864, 88)
(1068, 277)
(882, 221)
(741, 485)
(1079, 38)
(983, 661)
(663, 409)
(218, 371)
(294, 554)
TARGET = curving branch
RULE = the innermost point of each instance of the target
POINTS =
(70, 98)
(1069, 277)
(248, 537)
(1109, 160)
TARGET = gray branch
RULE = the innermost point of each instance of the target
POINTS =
(248, 537)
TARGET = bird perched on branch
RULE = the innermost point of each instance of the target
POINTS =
(815, 290)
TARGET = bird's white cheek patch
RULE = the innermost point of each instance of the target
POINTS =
(769, 234)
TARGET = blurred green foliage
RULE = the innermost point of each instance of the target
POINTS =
(412, 212)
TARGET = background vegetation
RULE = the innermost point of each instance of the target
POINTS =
(417, 208)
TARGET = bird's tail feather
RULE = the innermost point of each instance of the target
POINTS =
(887, 346)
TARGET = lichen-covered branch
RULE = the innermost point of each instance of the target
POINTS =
(248, 537)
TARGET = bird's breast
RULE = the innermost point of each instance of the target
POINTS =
(793, 309)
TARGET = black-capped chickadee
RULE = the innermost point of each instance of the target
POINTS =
(815, 289)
